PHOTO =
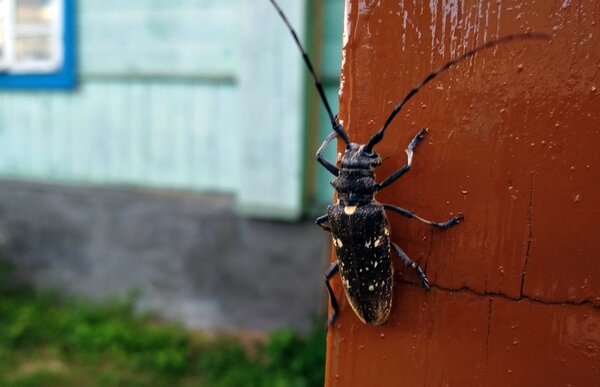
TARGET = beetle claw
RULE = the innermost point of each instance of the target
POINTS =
(426, 284)
(453, 221)
(457, 219)
(425, 281)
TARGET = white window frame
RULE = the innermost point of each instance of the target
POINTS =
(11, 30)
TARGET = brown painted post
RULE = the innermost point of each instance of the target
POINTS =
(514, 144)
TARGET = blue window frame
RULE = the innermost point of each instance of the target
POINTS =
(37, 44)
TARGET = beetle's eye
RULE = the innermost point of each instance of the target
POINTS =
(369, 154)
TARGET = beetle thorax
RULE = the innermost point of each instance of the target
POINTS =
(355, 183)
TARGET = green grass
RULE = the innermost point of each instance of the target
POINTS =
(45, 341)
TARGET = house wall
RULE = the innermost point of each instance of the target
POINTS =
(188, 122)
(154, 88)
(168, 96)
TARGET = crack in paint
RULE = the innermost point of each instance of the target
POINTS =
(466, 289)
(529, 234)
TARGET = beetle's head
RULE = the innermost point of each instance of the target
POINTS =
(356, 157)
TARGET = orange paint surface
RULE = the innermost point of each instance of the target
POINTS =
(513, 143)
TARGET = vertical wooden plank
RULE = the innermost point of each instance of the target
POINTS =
(512, 142)
(228, 139)
(133, 135)
(272, 111)
(202, 156)
(333, 13)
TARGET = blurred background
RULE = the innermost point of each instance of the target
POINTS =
(159, 156)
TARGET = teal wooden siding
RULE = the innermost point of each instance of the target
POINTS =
(198, 39)
(331, 59)
(272, 132)
(157, 85)
(116, 132)
(204, 95)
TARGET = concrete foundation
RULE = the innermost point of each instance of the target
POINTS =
(187, 256)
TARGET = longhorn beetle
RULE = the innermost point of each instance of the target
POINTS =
(357, 222)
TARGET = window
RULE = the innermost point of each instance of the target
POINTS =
(36, 44)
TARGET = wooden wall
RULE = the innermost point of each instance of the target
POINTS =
(202, 95)
(513, 144)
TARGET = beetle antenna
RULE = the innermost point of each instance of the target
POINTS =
(334, 122)
(378, 136)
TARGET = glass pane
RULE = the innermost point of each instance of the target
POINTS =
(36, 11)
(33, 48)
(2, 32)
(37, 36)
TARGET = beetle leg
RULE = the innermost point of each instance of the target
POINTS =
(410, 263)
(322, 219)
(443, 225)
(334, 268)
(409, 153)
(322, 160)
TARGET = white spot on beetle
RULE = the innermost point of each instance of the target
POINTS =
(337, 242)
(371, 287)
(349, 210)
(386, 231)
(375, 263)
(377, 242)
(368, 244)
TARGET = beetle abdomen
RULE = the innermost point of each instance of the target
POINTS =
(361, 239)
